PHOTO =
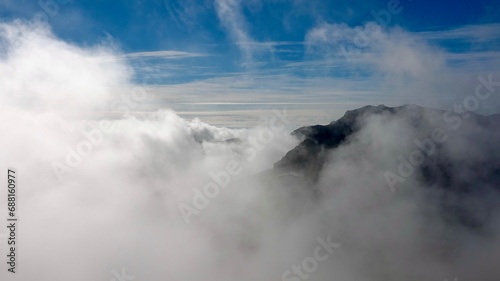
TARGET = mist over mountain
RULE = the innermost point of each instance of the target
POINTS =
(381, 194)
(454, 154)
(317, 141)
(404, 189)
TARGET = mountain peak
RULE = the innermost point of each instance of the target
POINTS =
(309, 156)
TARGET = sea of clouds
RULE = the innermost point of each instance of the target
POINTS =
(101, 197)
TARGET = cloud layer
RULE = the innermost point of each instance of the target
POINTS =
(98, 195)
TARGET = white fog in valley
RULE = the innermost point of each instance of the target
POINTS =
(119, 205)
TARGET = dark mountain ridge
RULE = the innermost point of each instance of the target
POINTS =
(465, 169)
(308, 156)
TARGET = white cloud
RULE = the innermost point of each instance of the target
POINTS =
(39, 71)
(388, 50)
(404, 64)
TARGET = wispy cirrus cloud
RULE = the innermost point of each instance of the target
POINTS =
(470, 33)
(185, 13)
(165, 54)
(231, 17)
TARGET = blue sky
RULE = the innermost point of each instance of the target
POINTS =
(316, 57)
(194, 25)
